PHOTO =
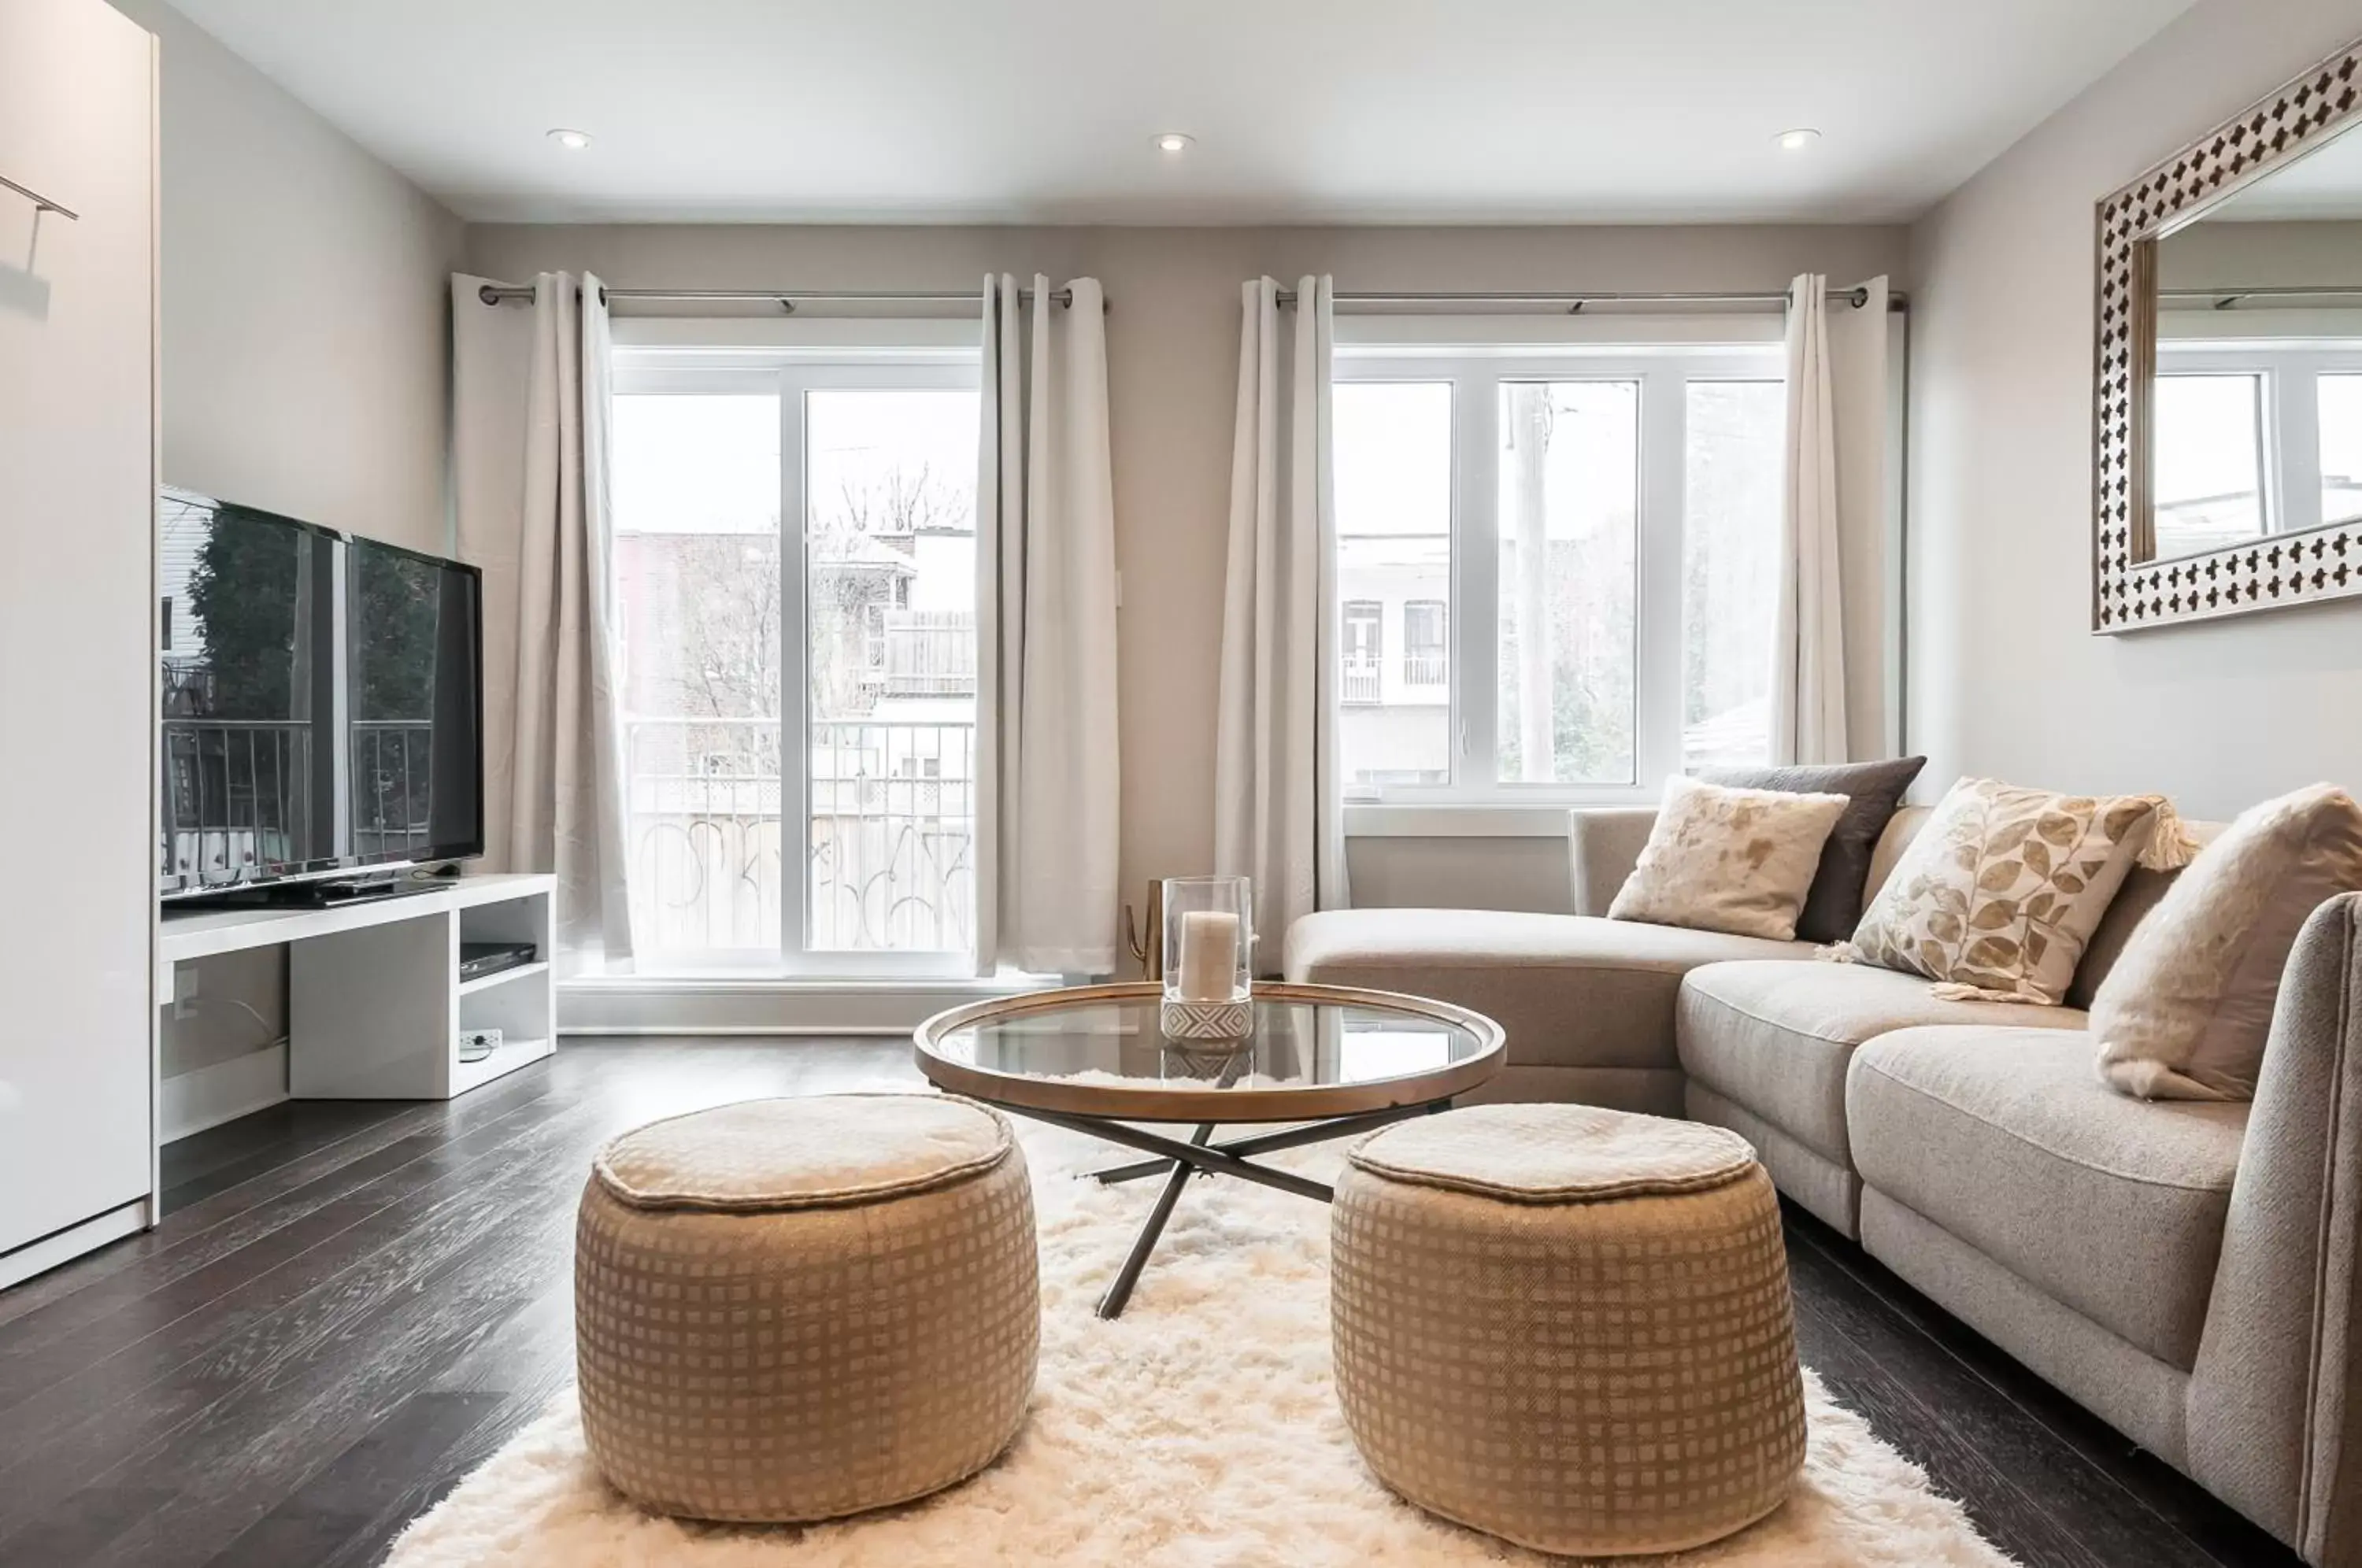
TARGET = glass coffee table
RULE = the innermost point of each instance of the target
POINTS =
(1094, 1059)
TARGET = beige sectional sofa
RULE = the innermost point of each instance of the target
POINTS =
(2186, 1270)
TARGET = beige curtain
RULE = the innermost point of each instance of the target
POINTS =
(1808, 676)
(1048, 788)
(1278, 807)
(530, 463)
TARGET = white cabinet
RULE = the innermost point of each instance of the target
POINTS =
(376, 999)
(77, 628)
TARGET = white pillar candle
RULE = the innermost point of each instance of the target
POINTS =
(1210, 955)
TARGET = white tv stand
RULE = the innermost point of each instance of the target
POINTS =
(375, 1003)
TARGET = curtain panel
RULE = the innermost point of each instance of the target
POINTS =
(1278, 804)
(1837, 654)
(531, 394)
(1047, 781)
(1808, 653)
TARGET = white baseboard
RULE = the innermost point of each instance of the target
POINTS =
(713, 1005)
(222, 1092)
(64, 1246)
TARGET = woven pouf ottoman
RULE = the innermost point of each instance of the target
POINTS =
(1568, 1327)
(793, 1310)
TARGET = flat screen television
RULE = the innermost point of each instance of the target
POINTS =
(323, 702)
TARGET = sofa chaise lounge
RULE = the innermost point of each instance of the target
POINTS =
(2186, 1270)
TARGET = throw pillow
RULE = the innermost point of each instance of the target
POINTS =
(1997, 896)
(1734, 860)
(1872, 791)
(2185, 1013)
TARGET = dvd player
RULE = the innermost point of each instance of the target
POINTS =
(478, 959)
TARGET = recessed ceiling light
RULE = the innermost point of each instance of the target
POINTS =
(572, 140)
(1174, 141)
(1798, 139)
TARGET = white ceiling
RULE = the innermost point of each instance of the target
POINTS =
(1304, 110)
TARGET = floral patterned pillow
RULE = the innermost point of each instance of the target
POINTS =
(1998, 894)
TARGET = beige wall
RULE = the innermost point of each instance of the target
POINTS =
(305, 317)
(304, 345)
(2005, 677)
(1172, 365)
(2281, 253)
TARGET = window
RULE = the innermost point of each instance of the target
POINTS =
(1364, 647)
(2255, 438)
(1426, 658)
(2340, 422)
(1393, 478)
(1733, 467)
(795, 576)
(2209, 489)
(1578, 548)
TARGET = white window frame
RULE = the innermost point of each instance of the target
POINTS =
(2289, 422)
(1473, 607)
(689, 363)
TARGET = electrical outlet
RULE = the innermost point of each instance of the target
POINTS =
(184, 991)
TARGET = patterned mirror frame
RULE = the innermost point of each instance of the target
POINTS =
(2128, 593)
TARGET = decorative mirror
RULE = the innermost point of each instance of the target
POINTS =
(2228, 469)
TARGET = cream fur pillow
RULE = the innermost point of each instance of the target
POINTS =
(1998, 894)
(1724, 859)
(2185, 1013)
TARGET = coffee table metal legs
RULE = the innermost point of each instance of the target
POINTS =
(1112, 1305)
(1177, 1161)
(1272, 1143)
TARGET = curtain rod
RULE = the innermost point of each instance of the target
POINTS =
(786, 299)
(1573, 301)
(2230, 299)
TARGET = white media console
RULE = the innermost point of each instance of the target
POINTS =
(375, 1002)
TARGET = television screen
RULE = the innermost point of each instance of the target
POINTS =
(323, 700)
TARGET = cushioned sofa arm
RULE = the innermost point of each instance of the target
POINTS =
(1605, 842)
(2274, 1416)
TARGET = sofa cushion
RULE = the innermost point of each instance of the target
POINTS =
(2185, 1013)
(2000, 891)
(1872, 790)
(1777, 1038)
(1723, 859)
(2143, 890)
(2008, 1139)
(1569, 990)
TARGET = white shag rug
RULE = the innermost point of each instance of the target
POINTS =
(1198, 1431)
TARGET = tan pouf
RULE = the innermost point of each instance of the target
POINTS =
(798, 1308)
(1568, 1327)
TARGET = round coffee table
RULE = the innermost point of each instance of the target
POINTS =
(1093, 1059)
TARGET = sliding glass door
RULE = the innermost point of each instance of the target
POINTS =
(795, 573)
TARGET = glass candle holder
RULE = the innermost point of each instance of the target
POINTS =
(1208, 939)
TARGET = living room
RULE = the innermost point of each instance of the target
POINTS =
(1805, 1024)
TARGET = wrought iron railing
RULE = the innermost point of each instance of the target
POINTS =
(392, 783)
(237, 793)
(1362, 679)
(887, 847)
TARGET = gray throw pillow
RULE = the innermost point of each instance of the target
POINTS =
(1873, 792)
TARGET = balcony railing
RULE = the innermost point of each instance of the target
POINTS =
(237, 793)
(1362, 679)
(392, 782)
(889, 848)
(236, 796)
(1424, 669)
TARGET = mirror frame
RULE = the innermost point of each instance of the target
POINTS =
(2129, 591)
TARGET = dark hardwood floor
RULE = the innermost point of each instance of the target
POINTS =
(351, 1305)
